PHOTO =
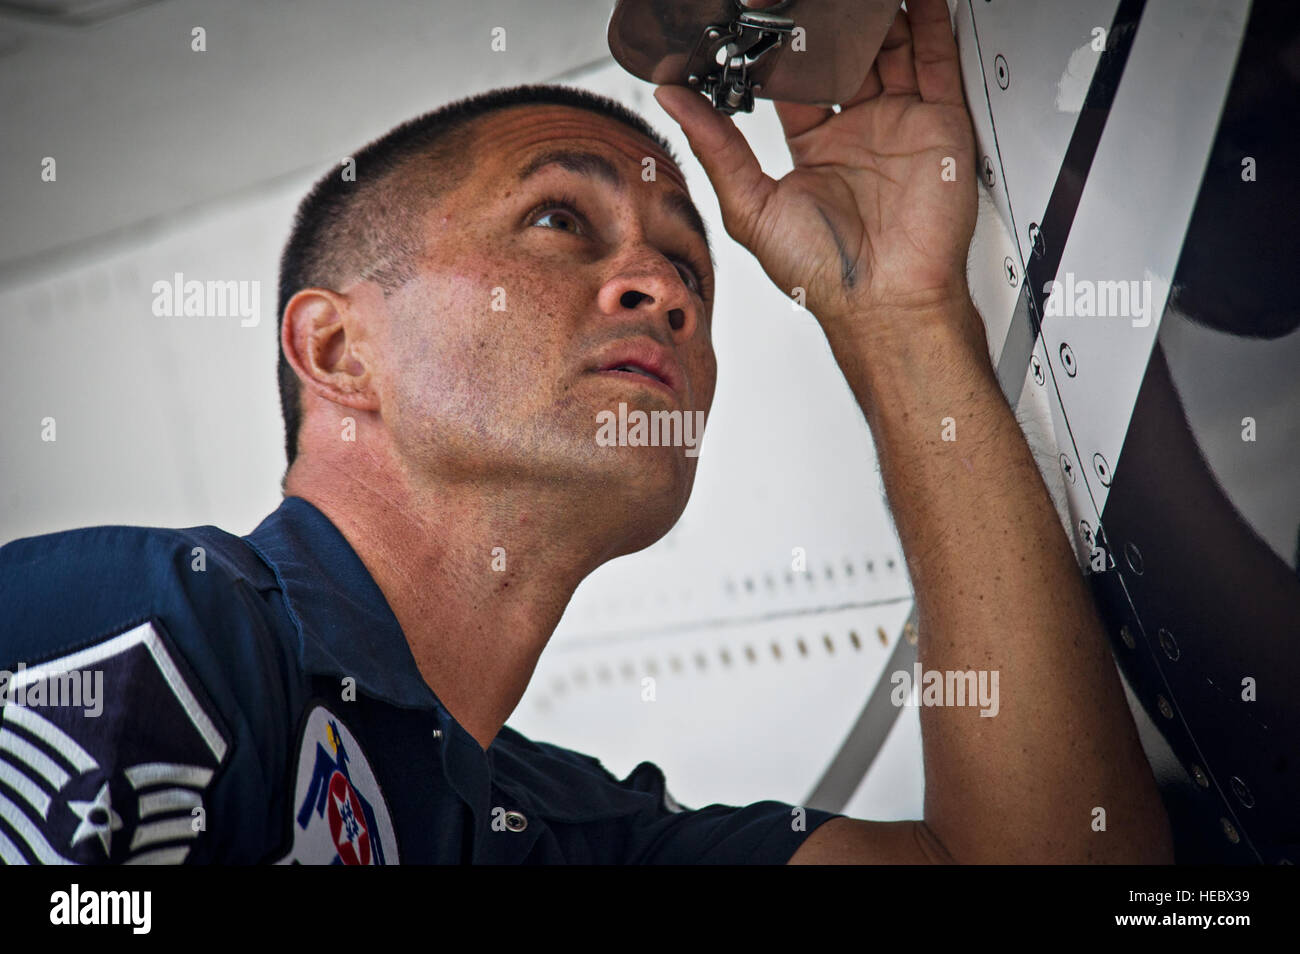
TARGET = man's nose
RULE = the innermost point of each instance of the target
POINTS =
(632, 299)
(657, 289)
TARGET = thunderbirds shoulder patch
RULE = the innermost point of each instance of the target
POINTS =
(340, 817)
(105, 755)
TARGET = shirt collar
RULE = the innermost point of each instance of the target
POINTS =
(346, 625)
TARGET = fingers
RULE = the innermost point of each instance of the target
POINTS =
(934, 49)
(738, 179)
(894, 61)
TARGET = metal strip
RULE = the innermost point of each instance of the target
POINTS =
(867, 737)
(865, 740)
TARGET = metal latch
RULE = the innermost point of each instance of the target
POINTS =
(730, 60)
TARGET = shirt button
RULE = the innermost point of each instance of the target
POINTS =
(516, 821)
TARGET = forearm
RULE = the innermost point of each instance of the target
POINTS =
(998, 589)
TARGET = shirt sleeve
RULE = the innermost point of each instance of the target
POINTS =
(767, 832)
(143, 707)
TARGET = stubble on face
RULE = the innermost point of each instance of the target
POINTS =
(489, 346)
(493, 337)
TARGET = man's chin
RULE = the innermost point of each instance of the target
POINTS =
(647, 490)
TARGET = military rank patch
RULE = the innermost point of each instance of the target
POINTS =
(105, 755)
(340, 817)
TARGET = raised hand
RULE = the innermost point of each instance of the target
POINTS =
(875, 219)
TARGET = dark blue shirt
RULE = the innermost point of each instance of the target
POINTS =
(257, 701)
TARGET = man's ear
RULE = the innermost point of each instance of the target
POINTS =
(320, 337)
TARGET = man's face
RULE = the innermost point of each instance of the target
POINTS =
(536, 276)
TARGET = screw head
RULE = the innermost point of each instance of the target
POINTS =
(1230, 831)
(1036, 367)
(1067, 468)
(1202, 779)
(1102, 468)
(1036, 238)
(989, 176)
(1067, 360)
(1002, 71)
(1242, 792)
(1165, 708)
(1168, 644)
(1134, 557)
(1126, 636)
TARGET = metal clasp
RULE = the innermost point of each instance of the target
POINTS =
(731, 59)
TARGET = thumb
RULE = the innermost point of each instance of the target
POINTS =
(738, 179)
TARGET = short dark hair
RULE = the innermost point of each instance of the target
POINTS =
(344, 227)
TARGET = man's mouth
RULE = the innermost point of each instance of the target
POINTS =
(633, 369)
(640, 359)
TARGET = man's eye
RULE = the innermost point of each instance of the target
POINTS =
(692, 279)
(693, 274)
(559, 210)
(566, 221)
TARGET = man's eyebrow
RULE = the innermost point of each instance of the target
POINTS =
(595, 166)
(588, 164)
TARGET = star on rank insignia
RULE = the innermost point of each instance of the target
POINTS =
(105, 755)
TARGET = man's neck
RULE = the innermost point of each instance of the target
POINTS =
(476, 617)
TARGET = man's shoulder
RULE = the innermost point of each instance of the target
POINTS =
(187, 606)
(63, 589)
(141, 669)
(94, 554)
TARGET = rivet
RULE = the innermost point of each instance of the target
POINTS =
(1202, 779)
(1230, 830)
(1169, 644)
(1165, 708)
(1102, 468)
(1067, 360)
(515, 821)
(713, 34)
(1002, 71)
(1242, 792)
(1126, 636)
(692, 80)
(1134, 557)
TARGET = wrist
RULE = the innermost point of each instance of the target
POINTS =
(915, 361)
